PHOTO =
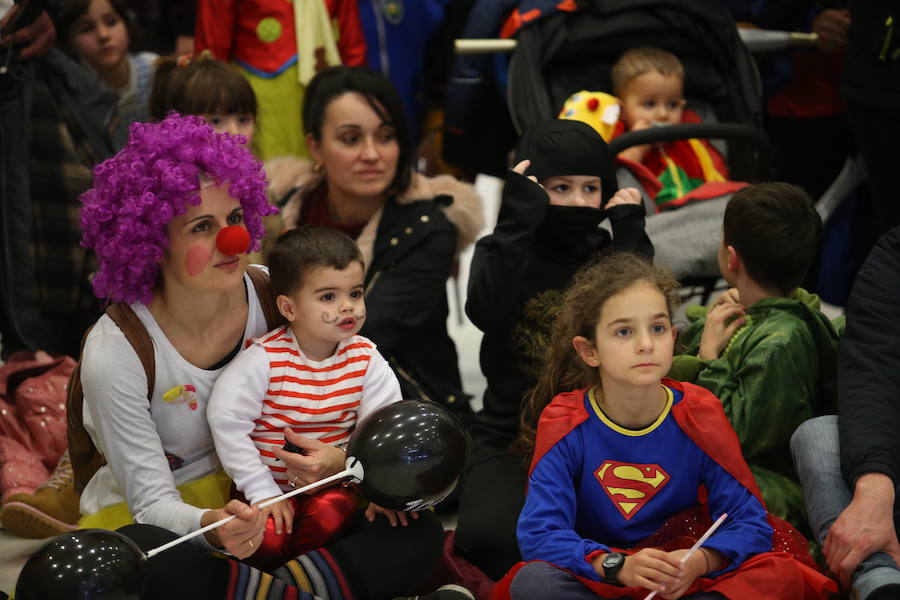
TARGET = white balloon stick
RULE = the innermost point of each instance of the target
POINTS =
(353, 472)
(697, 545)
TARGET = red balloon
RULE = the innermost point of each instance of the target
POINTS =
(233, 240)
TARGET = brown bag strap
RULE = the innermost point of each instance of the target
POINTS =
(260, 281)
(85, 456)
(139, 338)
(82, 452)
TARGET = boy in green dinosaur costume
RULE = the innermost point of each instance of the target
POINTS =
(763, 347)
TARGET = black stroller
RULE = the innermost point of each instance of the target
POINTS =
(574, 50)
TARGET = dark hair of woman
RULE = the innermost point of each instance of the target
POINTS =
(378, 92)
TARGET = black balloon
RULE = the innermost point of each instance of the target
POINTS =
(89, 564)
(412, 453)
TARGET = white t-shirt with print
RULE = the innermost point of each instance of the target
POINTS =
(135, 435)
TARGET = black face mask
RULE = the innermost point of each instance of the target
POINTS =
(571, 232)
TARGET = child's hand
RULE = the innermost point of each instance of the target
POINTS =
(694, 567)
(522, 167)
(282, 514)
(637, 153)
(831, 28)
(729, 296)
(650, 568)
(625, 196)
(392, 515)
(722, 320)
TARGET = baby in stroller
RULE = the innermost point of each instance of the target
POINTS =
(649, 87)
(649, 92)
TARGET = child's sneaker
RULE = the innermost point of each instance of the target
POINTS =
(50, 511)
(445, 592)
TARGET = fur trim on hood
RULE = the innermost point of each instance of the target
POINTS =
(288, 173)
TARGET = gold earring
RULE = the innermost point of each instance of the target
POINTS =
(317, 167)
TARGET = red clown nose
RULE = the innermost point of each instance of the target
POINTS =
(233, 240)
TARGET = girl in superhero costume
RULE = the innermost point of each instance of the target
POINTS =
(629, 468)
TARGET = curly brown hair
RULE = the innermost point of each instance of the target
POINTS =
(581, 305)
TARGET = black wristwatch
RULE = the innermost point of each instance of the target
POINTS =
(612, 564)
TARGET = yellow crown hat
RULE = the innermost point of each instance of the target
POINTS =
(598, 109)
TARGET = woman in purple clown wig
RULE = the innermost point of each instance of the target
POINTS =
(157, 176)
(163, 216)
(171, 218)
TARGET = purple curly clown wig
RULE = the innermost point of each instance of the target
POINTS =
(150, 181)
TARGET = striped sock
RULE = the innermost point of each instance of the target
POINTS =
(312, 576)
(318, 574)
(248, 583)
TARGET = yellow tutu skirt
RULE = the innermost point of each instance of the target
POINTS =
(210, 492)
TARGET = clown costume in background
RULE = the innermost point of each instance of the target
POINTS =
(673, 173)
(590, 493)
(279, 46)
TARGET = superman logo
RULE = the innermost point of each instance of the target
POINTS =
(630, 486)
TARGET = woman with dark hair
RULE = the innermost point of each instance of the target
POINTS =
(164, 216)
(410, 228)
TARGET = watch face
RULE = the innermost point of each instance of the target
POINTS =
(612, 560)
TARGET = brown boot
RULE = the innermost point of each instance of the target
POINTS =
(50, 511)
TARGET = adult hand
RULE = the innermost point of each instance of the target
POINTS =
(722, 320)
(241, 536)
(393, 516)
(650, 568)
(522, 167)
(36, 38)
(282, 514)
(866, 526)
(625, 196)
(831, 26)
(317, 461)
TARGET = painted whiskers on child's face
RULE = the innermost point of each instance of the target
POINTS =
(634, 338)
(328, 308)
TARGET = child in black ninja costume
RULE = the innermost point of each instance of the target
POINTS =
(562, 188)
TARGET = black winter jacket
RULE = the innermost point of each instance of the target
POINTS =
(518, 276)
(869, 370)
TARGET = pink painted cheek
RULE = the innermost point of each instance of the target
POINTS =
(196, 259)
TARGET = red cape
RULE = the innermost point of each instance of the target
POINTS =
(767, 576)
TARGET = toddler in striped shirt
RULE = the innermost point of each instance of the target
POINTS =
(307, 382)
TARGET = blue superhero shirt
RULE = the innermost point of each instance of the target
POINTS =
(603, 486)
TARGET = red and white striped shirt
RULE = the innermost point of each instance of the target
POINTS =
(272, 385)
